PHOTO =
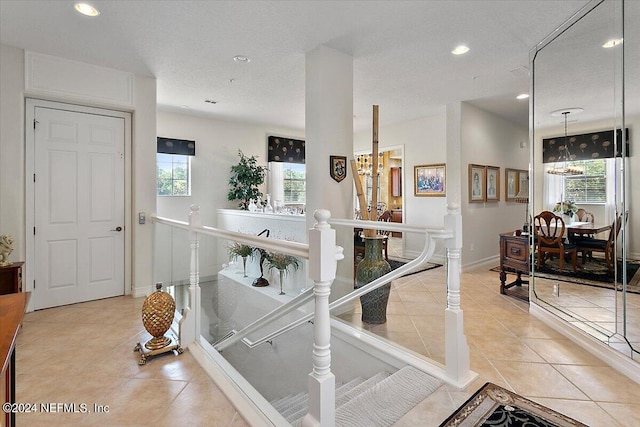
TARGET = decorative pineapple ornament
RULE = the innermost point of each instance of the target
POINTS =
(157, 315)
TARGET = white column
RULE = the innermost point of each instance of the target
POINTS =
(329, 131)
(322, 270)
(456, 348)
(190, 323)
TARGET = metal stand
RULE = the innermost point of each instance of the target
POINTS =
(172, 346)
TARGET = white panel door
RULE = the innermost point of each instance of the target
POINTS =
(79, 207)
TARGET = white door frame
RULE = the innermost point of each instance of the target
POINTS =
(30, 105)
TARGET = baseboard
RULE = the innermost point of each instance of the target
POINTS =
(435, 259)
(610, 356)
(489, 262)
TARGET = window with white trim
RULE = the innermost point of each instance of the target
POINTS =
(173, 174)
(589, 187)
(295, 187)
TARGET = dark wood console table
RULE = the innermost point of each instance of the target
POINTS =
(12, 309)
(514, 257)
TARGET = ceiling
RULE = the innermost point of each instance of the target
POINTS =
(401, 51)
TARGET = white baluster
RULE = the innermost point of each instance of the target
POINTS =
(323, 258)
(456, 348)
(190, 323)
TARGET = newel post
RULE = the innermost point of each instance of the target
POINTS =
(190, 323)
(456, 348)
(323, 258)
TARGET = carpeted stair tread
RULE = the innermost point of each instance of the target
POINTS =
(285, 402)
(340, 391)
(294, 404)
(387, 401)
(360, 388)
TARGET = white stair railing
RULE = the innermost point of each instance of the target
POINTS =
(323, 255)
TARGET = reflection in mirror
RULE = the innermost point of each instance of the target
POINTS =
(583, 110)
(390, 190)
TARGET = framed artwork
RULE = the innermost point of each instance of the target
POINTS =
(523, 181)
(477, 183)
(493, 184)
(338, 167)
(511, 188)
(430, 180)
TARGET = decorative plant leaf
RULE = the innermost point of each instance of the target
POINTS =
(245, 179)
(282, 262)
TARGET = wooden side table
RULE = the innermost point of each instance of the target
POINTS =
(514, 257)
(11, 278)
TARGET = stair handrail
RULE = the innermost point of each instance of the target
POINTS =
(287, 247)
(431, 234)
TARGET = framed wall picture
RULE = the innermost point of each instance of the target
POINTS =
(477, 183)
(511, 187)
(430, 180)
(493, 184)
(523, 181)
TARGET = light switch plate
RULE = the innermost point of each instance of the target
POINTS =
(141, 218)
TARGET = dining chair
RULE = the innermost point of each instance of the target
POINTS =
(589, 245)
(549, 232)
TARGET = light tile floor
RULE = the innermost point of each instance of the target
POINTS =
(83, 353)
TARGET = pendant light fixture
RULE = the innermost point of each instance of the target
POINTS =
(565, 155)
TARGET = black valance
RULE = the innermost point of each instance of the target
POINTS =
(176, 146)
(586, 146)
(285, 150)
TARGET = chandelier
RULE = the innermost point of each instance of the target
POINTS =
(365, 164)
(565, 155)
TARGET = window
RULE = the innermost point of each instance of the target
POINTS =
(590, 187)
(173, 175)
(294, 183)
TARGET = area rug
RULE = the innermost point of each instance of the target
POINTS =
(495, 406)
(395, 264)
(594, 272)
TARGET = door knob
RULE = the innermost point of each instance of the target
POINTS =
(117, 229)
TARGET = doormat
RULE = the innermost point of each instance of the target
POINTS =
(495, 406)
(594, 272)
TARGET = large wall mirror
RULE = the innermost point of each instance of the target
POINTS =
(585, 108)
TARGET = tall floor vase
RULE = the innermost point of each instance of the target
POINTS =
(374, 303)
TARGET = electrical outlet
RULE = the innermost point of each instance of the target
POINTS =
(471, 247)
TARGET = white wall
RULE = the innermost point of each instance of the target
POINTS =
(12, 219)
(492, 141)
(217, 145)
(12, 161)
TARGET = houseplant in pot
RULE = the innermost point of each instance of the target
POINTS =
(243, 251)
(282, 262)
(245, 179)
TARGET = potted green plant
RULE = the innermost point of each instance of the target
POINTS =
(241, 250)
(246, 176)
(282, 262)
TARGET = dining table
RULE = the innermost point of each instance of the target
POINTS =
(583, 229)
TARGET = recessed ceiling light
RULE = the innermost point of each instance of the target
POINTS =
(86, 9)
(184, 106)
(460, 50)
(612, 43)
(242, 59)
(522, 96)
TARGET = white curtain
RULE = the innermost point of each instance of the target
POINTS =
(276, 181)
(553, 188)
(613, 166)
